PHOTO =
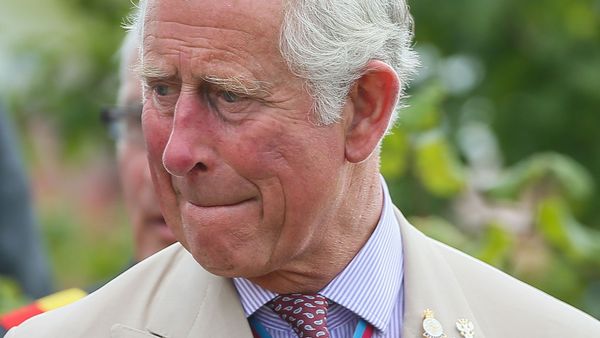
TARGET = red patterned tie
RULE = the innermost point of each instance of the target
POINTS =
(307, 314)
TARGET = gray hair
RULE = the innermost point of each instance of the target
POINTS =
(328, 43)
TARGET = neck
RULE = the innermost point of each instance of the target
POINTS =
(346, 231)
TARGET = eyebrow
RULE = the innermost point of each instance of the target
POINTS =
(235, 84)
(149, 71)
(240, 85)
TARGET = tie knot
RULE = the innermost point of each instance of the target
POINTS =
(307, 314)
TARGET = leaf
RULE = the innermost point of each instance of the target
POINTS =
(559, 171)
(558, 226)
(423, 112)
(496, 245)
(441, 230)
(438, 166)
(394, 152)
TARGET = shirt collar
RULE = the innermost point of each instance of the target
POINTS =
(369, 286)
(252, 296)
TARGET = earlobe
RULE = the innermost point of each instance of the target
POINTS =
(373, 96)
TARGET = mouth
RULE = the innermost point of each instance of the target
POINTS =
(220, 215)
(220, 204)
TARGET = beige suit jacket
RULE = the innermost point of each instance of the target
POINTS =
(170, 295)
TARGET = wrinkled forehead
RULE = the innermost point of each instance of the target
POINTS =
(251, 16)
(199, 38)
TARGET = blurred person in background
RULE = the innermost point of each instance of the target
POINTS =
(22, 255)
(150, 232)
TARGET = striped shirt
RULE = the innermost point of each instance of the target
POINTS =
(370, 287)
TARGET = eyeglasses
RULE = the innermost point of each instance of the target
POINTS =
(124, 123)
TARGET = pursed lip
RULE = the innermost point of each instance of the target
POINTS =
(220, 205)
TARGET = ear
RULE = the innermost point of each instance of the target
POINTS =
(372, 101)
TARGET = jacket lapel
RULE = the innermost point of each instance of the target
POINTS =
(430, 283)
(123, 331)
(221, 314)
(194, 303)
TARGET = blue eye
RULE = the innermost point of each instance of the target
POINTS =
(229, 97)
(161, 90)
(164, 96)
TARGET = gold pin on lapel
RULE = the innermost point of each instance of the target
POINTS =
(432, 327)
(466, 328)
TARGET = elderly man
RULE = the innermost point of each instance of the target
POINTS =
(263, 121)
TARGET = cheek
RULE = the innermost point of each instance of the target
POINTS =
(294, 169)
(302, 154)
(258, 151)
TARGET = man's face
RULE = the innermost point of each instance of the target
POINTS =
(150, 231)
(246, 181)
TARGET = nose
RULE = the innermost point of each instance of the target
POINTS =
(189, 147)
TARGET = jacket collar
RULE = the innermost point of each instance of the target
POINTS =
(430, 283)
(190, 302)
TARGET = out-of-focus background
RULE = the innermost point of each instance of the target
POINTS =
(498, 153)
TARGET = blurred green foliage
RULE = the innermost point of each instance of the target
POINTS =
(61, 64)
(497, 153)
(433, 175)
(533, 64)
(10, 295)
(525, 75)
(572, 179)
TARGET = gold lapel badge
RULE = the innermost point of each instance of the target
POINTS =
(432, 327)
(466, 328)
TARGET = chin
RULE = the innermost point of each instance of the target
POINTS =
(221, 264)
(219, 267)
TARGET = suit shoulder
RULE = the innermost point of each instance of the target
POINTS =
(514, 302)
(124, 299)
